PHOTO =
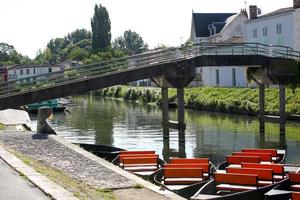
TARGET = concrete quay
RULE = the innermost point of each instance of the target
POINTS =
(77, 164)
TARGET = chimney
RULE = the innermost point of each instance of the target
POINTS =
(296, 4)
(253, 11)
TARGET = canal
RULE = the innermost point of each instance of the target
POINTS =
(132, 126)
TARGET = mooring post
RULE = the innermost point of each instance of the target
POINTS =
(181, 123)
(282, 115)
(261, 108)
(42, 126)
(165, 112)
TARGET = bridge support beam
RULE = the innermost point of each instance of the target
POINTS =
(282, 114)
(261, 108)
(180, 105)
(165, 112)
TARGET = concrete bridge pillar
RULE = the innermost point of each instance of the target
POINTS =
(176, 75)
(181, 121)
(165, 112)
(261, 108)
(282, 114)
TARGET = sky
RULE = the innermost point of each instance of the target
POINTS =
(30, 24)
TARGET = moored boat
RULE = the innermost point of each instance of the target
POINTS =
(143, 163)
(104, 151)
(287, 190)
(184, 176)
(231, 186)
(249, 155)
(54, 104)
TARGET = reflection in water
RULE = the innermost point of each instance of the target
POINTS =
(132, 126)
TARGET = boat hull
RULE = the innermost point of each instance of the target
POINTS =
(259, 194)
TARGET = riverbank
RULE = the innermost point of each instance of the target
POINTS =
(81, 173)
(227, 100)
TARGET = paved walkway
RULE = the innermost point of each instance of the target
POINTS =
(14, 187)
(81, 165)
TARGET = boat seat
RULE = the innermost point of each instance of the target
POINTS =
(183, 175)
(182, 181)
(205, 167)
(140, 163)
(235, 182)
(272, 151)
(189, 160)
(264, 157)
(295, 195)
(137, 152)
(278, 169)
(295, 187)
(294, 177)
(236, 188)
(239, 159)
(140, 168)
(265, 183)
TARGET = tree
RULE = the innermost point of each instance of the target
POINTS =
(78, 35)
(101, 35)
(78, 54)
(131, 43)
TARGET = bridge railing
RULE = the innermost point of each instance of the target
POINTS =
(144, 60)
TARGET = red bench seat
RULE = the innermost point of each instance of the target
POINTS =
(235, 182)
(182, 176)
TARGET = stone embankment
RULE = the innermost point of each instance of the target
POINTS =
(81, 165)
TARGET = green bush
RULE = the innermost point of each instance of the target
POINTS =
(231, 100)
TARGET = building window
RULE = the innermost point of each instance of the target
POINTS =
(27, 71)
(217, 77)
(278, 29)
(49, 69)
(233, 77)
(21, 72)
(33, 70)
(254, 33)
(265, 31)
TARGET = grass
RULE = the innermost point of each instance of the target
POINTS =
(2, 126)
(78, 188)
(230, 100)
(138, 186)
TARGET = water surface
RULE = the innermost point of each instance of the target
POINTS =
(133, 126)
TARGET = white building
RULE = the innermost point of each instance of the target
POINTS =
(220, 27)
(280, 27)
(26, 71)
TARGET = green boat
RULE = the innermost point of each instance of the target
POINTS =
(54, 104)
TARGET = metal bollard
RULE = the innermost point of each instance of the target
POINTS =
(42, 126)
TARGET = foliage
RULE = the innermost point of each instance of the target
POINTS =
(2, 126)
(78, 35)
(131, 43)
(103, 56)
(101, 35)
(9, 55)
(231, 100)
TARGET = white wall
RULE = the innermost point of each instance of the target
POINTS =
(272, 38)
(38, 71)
(297, 29)
(225, 76)
(235, 28)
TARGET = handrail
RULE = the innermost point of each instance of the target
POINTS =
(146, 59)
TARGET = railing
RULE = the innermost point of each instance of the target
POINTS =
(141, 61)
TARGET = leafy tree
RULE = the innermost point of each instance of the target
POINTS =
(78, 35)
(9, 55)
(131, 43)
(101, 35)
(78, 54)
(43, 57)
